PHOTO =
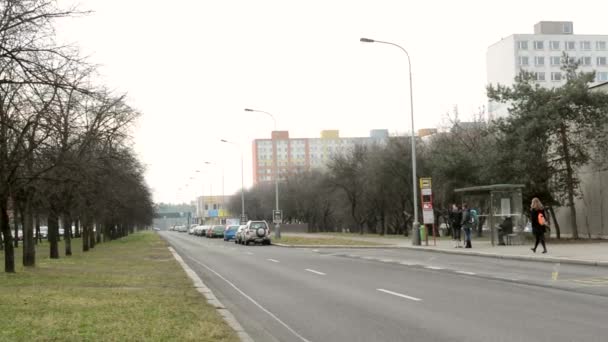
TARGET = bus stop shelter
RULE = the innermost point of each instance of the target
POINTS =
(495, 204)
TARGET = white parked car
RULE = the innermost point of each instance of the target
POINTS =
(256, 232)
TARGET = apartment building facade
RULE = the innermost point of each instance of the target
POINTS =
(542, 54)
(295, 155)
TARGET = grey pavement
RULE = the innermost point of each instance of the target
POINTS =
(286, 294)
(587, 253)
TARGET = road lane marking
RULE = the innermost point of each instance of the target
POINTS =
(400, 295)
(407, 263)
(434, 268)
(465, 272)
(387, 260)
(249, 253)
(273, 260)
(315, 272)
(295, 333)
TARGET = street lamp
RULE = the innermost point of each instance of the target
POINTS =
(242, 177)
(277, 232)
(413, 139)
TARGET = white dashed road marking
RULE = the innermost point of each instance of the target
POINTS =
(400, 295)
(433, 268)
(315, 272)
(273, 260)
(465, 272)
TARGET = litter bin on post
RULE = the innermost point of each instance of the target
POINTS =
(416, 236)
(422, 233)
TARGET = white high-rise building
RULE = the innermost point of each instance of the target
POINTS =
(541, 53)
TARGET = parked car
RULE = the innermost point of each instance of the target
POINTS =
(256, 232)
(204, 230)
(238, 236)
(216, 231)
(230, 232)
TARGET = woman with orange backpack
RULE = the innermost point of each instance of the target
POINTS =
(539, 223)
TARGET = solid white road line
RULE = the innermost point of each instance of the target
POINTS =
(465, 272)
(273, 260)
(253, 301)
(433, 268)
(400, 295)
(315, 272)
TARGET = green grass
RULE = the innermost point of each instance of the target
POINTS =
(125, 290)
(308, 241)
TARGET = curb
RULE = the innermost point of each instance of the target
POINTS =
(212, 299)
(447, 251)
(337, 246)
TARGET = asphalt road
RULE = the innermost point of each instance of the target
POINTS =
(286, 294)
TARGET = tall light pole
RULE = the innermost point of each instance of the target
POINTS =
(242, 177)
(413, 139)
(277, 232)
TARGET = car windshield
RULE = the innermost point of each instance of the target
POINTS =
(258, 225)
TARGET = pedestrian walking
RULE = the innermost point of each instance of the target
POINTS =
(539, 221)
(455, 216)
(469, 221)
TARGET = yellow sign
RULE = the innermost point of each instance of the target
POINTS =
(425, 183)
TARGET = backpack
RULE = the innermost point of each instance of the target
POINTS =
(472, 216)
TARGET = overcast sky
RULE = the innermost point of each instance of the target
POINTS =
(191, 67)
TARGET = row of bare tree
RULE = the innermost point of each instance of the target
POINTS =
(65, 151)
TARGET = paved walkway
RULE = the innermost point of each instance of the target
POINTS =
(580, 252)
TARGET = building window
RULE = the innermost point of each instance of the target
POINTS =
(539, 60)
(539, 45)
(206, 206)
(567, 28)
(601, 61)
(523, 60)
(522, 45)
(600, 45)
(601, 76)
(570, 45)
(586, 45)
(586, 61)
(556, 60)
(554, 44)
(556, 76)
(539, 76)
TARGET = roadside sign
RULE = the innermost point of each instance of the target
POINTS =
(277, 216)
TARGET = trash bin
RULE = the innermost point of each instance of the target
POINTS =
(422, 232)
(415, 236)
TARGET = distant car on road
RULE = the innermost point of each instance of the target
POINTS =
(256, 232)
(217, 231)
(238, 236)
(230, 232)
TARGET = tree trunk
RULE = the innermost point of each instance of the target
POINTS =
(16, 223)
(85, 236)
(97, 235)
(37, 223)
(9, 251)
(53, 223)
(29, 246)
(67, 234)
(569, 180)
(77, 232)
(557, 230)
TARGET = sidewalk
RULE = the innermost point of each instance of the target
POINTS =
(593, 253)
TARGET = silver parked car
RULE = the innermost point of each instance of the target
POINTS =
(238, 236)
(256, 232)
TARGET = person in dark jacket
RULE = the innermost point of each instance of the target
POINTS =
(538, 228)
(456, 224)
(505, 228)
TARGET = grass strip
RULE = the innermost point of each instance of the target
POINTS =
(130, 289)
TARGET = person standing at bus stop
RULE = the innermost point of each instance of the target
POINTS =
(456, 223)
(469, 220)
(539, 221)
